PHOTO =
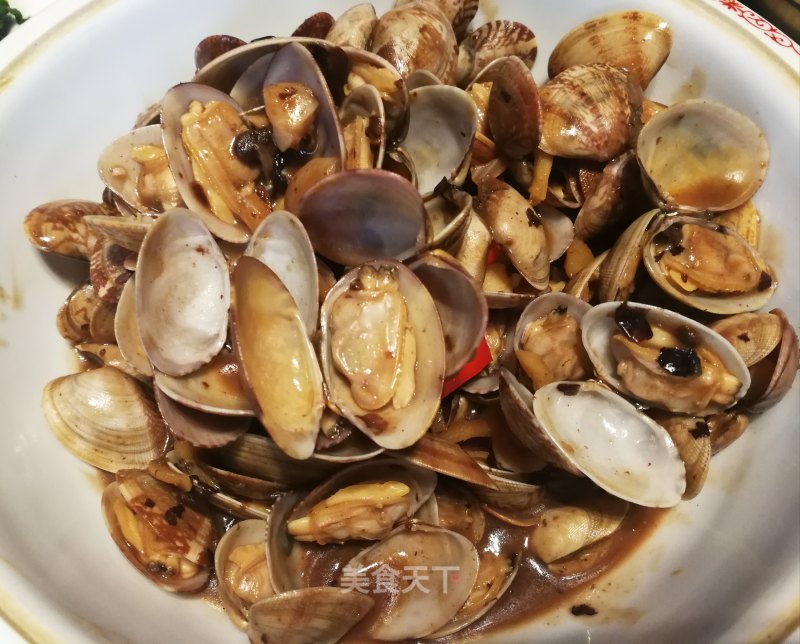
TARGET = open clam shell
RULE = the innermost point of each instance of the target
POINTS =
(294, 63)
(322, 615)
(361, 215)
(628, 455)
(449, 212)
(214, 388)
(413, 614)
(174, 105)
(460, 303)
(346, 329)
(199, 428)
(698, 155)
(181, 533)
(126, 330)
(363, 105)
(707, 266)
(442, 123)
(281, 243)
(636, 41)
(678, 393)
(122, 173)
(240, 561)
(356, 519)
(182, 294)
(278, 364)
(105, 419)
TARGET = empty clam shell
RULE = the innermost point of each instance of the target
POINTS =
(636, 41)
(461, 305)
(126, 330)
(281, 243)
(182, 294)
(699, 155)
(105, 419)
(628, 455)
(214, 388)
(442, 124)
(278, 364)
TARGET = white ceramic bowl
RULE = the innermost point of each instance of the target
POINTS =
(724, 567)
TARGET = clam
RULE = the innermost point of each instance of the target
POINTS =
(354, 27)
(460, 303)
(448, 211)
(724, 428)
(617, 273)
(135, 167)
(164, 533)
(446, 458)
(664, 359)
(383, 352)
(773, 376)
(745, 220)
(281, 243)
(493, 40)
(442, 124)
(214, 46)
(363, 119)
(698, 155)
(589, 111)
(126, 330)
(361, 215)
(636, 41)
(558, 230)
(434, 553)
(547, 339)
(753, 335)
(321, 615)
(199, 125)
(364, 501)
(240, 561)
(459, 12)
(85, 317)
(292, 84)
(565, 530)
(708, 266)
(584, 284)
(59, 227)
(691, 436)
(317, 25)
(182, 294)
(108, 270)
(517, 228)
(127, 232)
(629, 455)
(199, 428)
(105, 419)
(613, 200)
(278, 364)
(107, 355)
(214, 388)
(514, 109)
(417, 36)
(474, 247)
(514, 500)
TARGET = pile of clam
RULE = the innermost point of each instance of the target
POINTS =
(365, 298)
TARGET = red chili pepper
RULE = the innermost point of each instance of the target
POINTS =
(479, 361)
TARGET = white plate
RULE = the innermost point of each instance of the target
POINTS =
(724, 567)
